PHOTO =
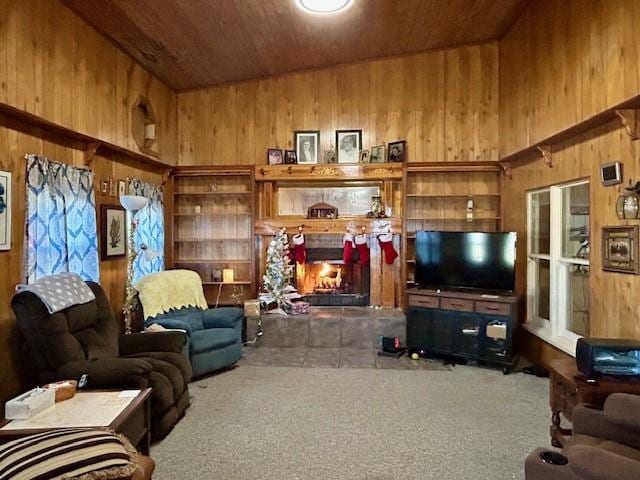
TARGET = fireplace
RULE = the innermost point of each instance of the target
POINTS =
(325, 280)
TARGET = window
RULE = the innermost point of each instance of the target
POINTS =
(558, 263)
(149, 239)
(60, 221)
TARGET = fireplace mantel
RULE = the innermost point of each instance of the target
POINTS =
(327, 226)
(329, 172)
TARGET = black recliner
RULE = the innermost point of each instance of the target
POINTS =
(86, 339)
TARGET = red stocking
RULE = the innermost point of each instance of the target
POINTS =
(299, 250)
(363, 248)
(347, 248)
(386, 244)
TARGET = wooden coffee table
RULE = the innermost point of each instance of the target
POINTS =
(126, 412)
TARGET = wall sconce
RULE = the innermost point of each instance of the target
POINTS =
(150, 132)
(628, 204)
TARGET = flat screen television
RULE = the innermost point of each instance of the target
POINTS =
(466, 260)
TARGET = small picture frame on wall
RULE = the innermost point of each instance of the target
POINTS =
(290, 157)
(397, 151)
(112, 188)
(113, 232)
(307, 145)
(349, 144)
(122, 188)
(377, 154)
(104, 187)
(364, 156)
(330, 156)
(620, 249)
(5, 210)
(274, 156)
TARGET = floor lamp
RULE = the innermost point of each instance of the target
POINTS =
(132, 204)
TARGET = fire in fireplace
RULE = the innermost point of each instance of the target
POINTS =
(325, 280)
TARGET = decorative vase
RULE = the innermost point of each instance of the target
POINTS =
(377, 207)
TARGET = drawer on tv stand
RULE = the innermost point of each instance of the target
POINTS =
(457, 304)
(424, 301)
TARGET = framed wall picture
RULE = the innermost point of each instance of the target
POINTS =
(113, 188)
(397, 151)
(290, 157)
(274, 156)
(307, 145)
(349, 144)
(122, 187)
(364, 156)
(620, 249)
(377, 154)
(5, 210)
(113, 232)
(104, 187)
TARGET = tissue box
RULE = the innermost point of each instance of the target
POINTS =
(30, 404)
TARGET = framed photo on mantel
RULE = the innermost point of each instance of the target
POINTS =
(307, 145)
(348, 145)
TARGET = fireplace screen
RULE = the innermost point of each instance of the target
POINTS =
(325, 280)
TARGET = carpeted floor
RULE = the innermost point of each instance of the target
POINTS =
(368, 424)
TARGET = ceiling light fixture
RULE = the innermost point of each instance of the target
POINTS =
(323, 7)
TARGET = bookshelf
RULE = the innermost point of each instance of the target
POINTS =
(435, 198)
(212, 229)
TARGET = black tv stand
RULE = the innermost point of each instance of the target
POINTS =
(473, 326)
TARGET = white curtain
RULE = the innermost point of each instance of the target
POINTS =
(61, 233)
(150, 230)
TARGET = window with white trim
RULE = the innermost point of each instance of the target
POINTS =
(558, 263)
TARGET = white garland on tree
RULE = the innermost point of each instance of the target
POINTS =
(278, 275)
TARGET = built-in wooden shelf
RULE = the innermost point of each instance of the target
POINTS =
(200, 240)
(220, 236)
(536, 149)
(212, 215)
(190, 261)
(211, 193)
(330, 172)
(454, 167)
(475, 219)
(453, 195)
(426, 205)
(270, 226)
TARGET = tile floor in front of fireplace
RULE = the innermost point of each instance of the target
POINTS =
(332, 358)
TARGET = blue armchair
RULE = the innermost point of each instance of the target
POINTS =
(214, 335)
(174, 299)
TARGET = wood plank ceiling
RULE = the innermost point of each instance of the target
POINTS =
(197, 43)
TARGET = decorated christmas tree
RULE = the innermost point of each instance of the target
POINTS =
(278, 274)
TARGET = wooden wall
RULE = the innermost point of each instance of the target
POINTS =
(55, 66)
(444, 103)
(562, 63)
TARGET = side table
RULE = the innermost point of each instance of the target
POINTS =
(128, 414)
(568, 387)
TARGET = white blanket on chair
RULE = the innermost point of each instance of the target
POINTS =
(60, 291)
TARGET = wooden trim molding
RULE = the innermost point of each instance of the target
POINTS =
(623, 111)
(324, 172)
(26, 122)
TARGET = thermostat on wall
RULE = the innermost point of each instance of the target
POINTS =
(611, 173)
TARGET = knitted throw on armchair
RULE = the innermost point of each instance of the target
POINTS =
(170, 290)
